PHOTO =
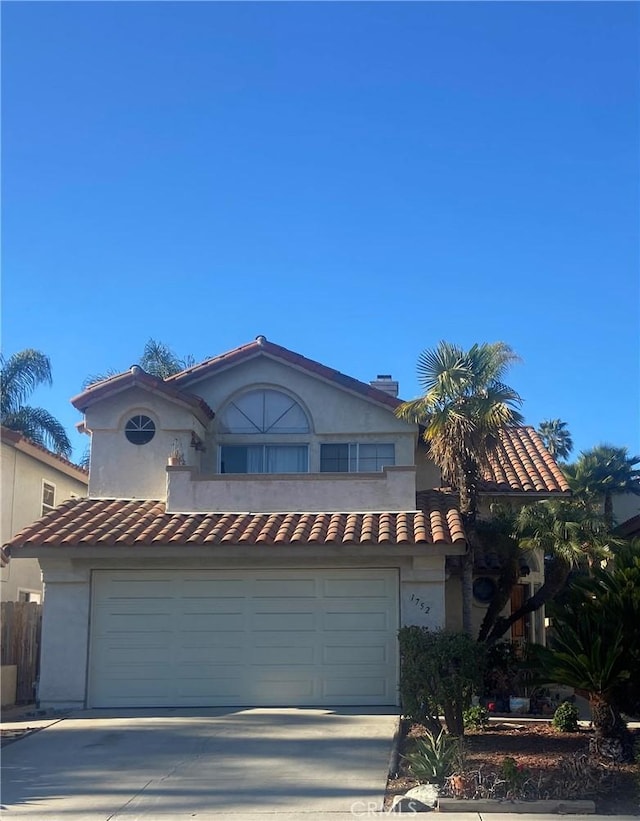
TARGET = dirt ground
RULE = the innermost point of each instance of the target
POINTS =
(547, 755)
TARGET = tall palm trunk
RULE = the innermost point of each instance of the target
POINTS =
(468, 509)
(608, 510)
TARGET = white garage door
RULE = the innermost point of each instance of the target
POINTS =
(238, 638)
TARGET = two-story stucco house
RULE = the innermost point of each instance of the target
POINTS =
(33, 480)
(275, 565)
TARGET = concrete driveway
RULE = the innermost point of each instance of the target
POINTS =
(106, 764)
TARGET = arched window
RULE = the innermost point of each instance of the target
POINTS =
(264, 411)
(266, 414)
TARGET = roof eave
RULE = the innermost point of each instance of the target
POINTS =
(140, 379)
(232, 550)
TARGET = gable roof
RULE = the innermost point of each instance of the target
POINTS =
(25, 445)
(136, 523)
(137, 377)
(262, 347)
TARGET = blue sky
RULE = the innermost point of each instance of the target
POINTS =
(356, 181)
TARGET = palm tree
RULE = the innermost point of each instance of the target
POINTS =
(157, 359)
(20, 375)
(602, 473)
(464, 407)
(595, 647)
(556, 437)
(569, 535)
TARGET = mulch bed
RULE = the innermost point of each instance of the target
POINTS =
(539, 748)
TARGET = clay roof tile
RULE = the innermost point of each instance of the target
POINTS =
(127, 523)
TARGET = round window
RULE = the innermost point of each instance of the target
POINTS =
(484, 589)
(139, 430)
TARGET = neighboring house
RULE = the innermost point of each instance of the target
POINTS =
(626, 512)
(34, 481)
(276, 564)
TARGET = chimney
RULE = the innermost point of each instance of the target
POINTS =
(384, 382)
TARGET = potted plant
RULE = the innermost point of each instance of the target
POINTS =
(176, 456)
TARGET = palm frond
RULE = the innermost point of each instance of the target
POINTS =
(159, 360)
(94, 378)
(20, 375)
(41, 427)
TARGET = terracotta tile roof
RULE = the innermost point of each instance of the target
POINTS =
(262, 346)
(121, 522)
(137, 377)
(522, 464)
(445, 521)
(13, 437)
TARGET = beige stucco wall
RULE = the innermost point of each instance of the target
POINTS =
(427, 472)
(120, 469)
(391, 489)
(22, 476)
(335, 415)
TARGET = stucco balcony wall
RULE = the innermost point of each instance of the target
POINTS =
(391, 489)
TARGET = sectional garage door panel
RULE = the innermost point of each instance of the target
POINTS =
(233, 638)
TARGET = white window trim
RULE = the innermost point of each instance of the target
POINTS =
(44, 507)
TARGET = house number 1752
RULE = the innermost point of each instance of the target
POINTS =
(420, 602)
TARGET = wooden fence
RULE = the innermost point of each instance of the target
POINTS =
(20, 628)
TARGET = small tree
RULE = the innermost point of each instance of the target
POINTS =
(439, 673)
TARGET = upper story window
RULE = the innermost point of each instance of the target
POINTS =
(48, 497)
(356, 457)
(264, 412)
(140, 429)
(264, 459)
(267, 415)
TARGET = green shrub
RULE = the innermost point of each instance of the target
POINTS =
(434, 757)
(475, 718)
(565, 718)
(439, 672)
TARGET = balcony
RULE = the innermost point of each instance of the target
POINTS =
(391, 489)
